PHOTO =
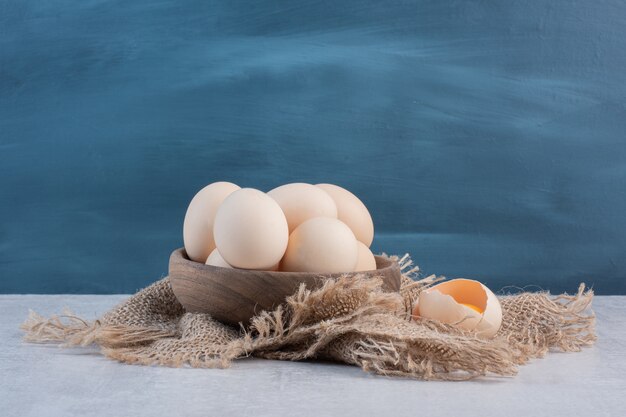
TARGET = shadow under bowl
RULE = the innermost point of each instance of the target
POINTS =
(236, 295)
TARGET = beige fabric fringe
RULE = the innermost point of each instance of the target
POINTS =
(350, 320)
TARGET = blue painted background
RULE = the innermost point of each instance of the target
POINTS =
(487, 138)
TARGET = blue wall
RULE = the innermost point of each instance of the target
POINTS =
(487, 138)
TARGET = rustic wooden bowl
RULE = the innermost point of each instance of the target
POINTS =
(236, 295)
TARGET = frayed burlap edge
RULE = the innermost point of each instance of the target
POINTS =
(350, 320)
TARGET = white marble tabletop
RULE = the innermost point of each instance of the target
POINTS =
(40, 380)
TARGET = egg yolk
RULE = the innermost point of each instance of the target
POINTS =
(473, 307)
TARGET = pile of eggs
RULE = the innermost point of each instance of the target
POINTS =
(314, 228)
(295, 227)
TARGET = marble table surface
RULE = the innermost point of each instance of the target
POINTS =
(40, 380)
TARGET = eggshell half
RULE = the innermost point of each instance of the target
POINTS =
(365, 260)
(445, 303)
(251, 230)
(352, 212)
(301, 202)
(321, 244)
(199, 219)
(492, 316)
(216, 259)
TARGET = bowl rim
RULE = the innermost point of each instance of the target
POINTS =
(180, 256)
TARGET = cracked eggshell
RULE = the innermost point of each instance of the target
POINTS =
(301, 202)
(365, 260)
(352, 212)
(200, 217)
(465, 303)
(251, 230)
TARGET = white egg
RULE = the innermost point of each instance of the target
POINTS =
(321, 244)
(301, 202)
(251, 230)
(215, 259)
(274, 267)
(365, 260)
(352, 212)
(198, 224)
(465, 303)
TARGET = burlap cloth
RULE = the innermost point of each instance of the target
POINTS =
(350, 320)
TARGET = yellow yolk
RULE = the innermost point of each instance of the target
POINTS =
(473, 307)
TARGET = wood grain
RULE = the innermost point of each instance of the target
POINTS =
(236, 295)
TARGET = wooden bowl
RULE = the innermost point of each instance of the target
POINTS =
(236, 295)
